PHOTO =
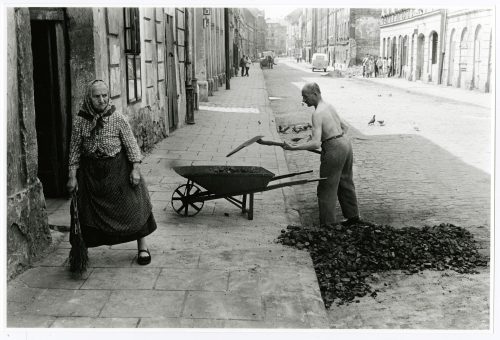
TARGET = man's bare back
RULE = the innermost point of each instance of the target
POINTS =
(327, 117)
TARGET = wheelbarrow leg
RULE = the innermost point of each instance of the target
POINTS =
(244, 203)
(250, 209)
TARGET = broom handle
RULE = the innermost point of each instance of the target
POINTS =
(74, 201)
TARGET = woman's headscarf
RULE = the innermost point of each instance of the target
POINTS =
(87, 110)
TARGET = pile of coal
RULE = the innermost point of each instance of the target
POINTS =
(345, 256)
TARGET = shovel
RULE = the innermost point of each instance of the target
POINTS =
(258, 139)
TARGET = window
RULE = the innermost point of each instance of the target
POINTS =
(133, 54)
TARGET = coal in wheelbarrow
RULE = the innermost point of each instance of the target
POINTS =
(226, 182)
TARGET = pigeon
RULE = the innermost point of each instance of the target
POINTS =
(372, 120)
(380, 122)
(259, 122)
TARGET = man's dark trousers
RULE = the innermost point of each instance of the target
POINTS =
(336, 165)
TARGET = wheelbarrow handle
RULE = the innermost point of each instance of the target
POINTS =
(291, 175)
(292, 183)
(268, 142)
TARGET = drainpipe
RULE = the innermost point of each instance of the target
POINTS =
(444, 22)
(188, 83)
(194, 80)
(328, 34)
(226, 41)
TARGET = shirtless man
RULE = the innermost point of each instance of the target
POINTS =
(336, 159)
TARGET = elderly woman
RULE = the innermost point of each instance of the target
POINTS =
(113, 201)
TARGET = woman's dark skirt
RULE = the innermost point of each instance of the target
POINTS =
(111, 210)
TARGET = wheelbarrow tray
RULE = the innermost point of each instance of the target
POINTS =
(226, 179)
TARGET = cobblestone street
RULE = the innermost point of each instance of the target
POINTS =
(428, 164)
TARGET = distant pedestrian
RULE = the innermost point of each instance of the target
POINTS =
(370, 67)
(243, 65)
(378, 66)
(365, 61)
(389, 67)
(384, 67)
(270, 61)
(248, 63)
(113, 201)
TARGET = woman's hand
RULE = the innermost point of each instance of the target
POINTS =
(72, 184)
(135, 175)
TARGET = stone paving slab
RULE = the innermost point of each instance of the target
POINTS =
(64, 302)
(214, 270)
(222, 305)
(86, 322)
(143, 303)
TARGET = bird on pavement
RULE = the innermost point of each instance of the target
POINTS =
(380, 122)
(372, 120)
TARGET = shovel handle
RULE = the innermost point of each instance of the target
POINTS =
(267, 142)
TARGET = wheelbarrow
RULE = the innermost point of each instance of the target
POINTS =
(228, 182)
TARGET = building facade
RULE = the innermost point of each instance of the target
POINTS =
(293, 32)
(440, 46)
(276, 38)
(261, 29)
(354, 34)
(344, 34)
(210, 48)
(152, 59)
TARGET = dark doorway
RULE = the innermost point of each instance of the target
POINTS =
(173, 118)
(53, 119)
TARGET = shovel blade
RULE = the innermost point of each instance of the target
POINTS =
(245, 144)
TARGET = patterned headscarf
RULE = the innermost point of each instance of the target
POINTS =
(87, 110)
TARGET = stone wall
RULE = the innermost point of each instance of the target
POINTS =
(28, 234)
(365, 24)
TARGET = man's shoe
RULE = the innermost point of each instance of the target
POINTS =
(356, 221)
(351, 221)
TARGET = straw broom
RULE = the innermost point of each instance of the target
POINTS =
(78, 255)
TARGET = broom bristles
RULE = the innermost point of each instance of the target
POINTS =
(78, 255)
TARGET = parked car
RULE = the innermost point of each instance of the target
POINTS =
(319, 61)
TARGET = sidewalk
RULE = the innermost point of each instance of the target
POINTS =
(216, 270)
(448, 92)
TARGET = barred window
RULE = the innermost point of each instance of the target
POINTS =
(133, 54)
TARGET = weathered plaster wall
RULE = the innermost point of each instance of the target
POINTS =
(468, 32)
(82, 63)
(365, 23)
(28, 233)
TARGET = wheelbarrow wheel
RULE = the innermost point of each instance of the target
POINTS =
(179, 203)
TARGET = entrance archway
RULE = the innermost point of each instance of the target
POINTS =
(462, 64)
(433, 55)
(451, 60)
(404, 57)
(420, 57)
